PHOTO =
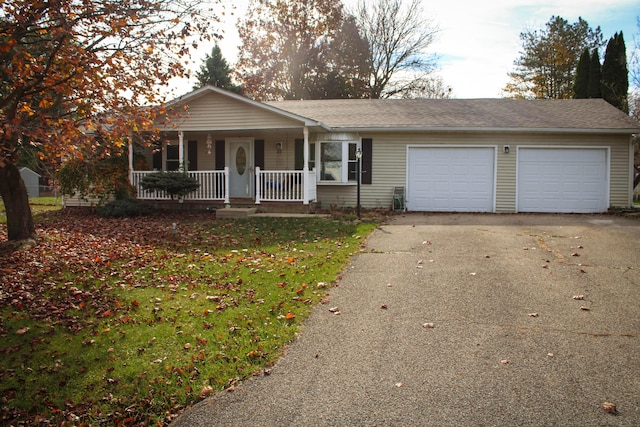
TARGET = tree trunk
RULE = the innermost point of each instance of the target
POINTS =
(16, 202)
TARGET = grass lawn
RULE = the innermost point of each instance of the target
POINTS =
(38, 205)
(109, 322)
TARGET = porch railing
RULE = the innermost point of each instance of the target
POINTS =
(284, 186)
(272, 186)
(213, 186)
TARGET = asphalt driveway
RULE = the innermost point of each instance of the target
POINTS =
(464, 320)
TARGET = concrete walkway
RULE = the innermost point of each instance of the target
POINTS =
(464, 320)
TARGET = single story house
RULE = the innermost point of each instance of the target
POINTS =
(452, 155)
(31, 181)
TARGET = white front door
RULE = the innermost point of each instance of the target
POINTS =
(240, 162)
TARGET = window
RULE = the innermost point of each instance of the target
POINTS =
(173, 157)
(338, 162)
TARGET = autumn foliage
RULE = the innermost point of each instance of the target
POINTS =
(71, 70)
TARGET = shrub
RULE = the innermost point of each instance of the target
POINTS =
(173, 183)
(122, 208)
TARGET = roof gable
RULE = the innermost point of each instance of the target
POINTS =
(211, 108)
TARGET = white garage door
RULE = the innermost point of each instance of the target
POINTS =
(451, 179)
(562, 180)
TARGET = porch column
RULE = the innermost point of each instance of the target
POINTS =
(305, 166)
(130, 162)
(181, 165)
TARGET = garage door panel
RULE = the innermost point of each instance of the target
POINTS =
(451, 179)
(562, 180)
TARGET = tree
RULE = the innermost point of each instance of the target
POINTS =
(71, 70)
(549, 58)
(581, 83)
(399, 37)
(300, 49)
(594, 90)
(615, 75)
(215, 71)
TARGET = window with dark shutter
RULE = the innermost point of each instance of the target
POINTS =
(258, 153)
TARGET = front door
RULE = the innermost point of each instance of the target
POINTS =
(240, 161)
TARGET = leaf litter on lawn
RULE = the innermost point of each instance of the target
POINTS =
(123, 321)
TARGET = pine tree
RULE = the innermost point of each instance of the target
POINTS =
(595, 73)
(581, 83)
(615, 75)
(215, 71)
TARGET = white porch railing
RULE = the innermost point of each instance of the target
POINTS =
(213, 186)
(284, 186)
(271, 186)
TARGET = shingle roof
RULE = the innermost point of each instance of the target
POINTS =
(461, 114)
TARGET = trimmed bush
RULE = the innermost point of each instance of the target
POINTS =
(177, 184)
(122, 208)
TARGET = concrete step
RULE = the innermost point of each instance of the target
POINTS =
(235, 212)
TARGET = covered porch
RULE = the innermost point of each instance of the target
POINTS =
(233, 168)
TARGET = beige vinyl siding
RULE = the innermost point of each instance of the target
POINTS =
(389, 165)
(217, 112)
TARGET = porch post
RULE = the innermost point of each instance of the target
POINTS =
(305, 166)
(130, 162)
(181, 165)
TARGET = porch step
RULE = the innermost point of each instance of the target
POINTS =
(235, 212)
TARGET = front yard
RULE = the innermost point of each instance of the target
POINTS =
(130, 321)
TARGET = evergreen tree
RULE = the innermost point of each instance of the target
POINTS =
(615, 76)
(215, 71)
(547, 65)
(595, 73)
(581, 83)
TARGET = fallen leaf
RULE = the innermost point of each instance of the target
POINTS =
(22, 331)
(334, 309)
(399, 385)
(578, 297)
(610, 408)
(428, 325)
(472, 274)
(205, 391)
(575, 254)
(504, 361)
(551, 355)
(384, 306)
(187, 346)
(583, 308)
(290, 316)
(533, 314)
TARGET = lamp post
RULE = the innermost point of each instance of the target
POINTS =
(358, 157)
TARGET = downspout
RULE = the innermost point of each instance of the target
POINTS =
(305, 166)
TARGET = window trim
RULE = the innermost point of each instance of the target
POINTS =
(345, 162)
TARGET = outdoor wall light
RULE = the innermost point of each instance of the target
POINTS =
(209, 143)
(279, 147)
(506, 149)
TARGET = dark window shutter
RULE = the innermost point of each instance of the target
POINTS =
(258, 153)
(157, 158)
(299, 154)
(220, 155)
(367, 160)
(192, 156)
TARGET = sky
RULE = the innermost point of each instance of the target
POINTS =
(478, 41)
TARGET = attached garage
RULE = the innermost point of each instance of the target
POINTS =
(563, 180)
(451, 179)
